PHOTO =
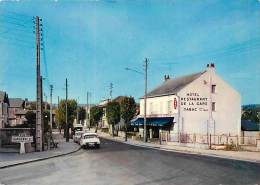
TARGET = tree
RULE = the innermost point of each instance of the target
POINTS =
(31, 118)
(96, 113)
(251, 115)
(113, 114)
(61, 114)
(81, 114)
(127, 111)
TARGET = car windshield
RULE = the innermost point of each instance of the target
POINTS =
(90, 136)
(78, 128)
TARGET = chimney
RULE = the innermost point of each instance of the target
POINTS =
(166, 77)
(211, 67)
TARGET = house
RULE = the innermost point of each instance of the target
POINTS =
(4, 103)
(200, 103)
(103, 122)
(16, 111)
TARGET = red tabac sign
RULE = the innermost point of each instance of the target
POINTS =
(175, 103)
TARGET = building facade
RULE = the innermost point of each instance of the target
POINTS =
(4, 103)
(201, 103)
(16, 111)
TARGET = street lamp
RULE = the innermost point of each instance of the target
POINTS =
(145, 92)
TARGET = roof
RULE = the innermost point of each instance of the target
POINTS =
(173, 86)
(16, 102)
(247, 125)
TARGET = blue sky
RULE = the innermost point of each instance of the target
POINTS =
(92, 42)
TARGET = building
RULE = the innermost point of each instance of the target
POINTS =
(16, 111)
(4, 103)
(201, 103)
(103, 122)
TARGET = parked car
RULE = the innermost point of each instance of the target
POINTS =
(90, 140)
(77, 136)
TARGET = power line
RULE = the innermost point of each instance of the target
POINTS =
(230, 50)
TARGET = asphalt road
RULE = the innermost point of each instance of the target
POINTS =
(117, 163)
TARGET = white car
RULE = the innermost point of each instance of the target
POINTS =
(77, 136)
(90, 140)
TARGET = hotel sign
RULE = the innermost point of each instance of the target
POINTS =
(194, 102)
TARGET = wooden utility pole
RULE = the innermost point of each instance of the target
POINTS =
(145, 97)
(39, 131)
(67, 124)
(110, 90)
(41, 110)
(51, 88)
(87, 109)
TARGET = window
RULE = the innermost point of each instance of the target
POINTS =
(213, 88)
(213, 106)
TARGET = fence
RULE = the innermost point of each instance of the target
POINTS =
(7, 133)
(209, 139)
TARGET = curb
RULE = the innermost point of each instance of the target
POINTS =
(40, 159)
(185, 152)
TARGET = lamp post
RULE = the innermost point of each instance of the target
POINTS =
(145, 92)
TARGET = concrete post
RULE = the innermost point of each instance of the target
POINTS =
(22, 148)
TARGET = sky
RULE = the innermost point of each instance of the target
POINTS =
(92, 42)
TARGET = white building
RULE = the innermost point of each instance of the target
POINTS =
(200, 103)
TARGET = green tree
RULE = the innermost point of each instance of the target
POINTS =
(113, 114)
(251, 115)
(96, 113)
(127, 111)
(31, 119)
(81, 114)
(61, 114)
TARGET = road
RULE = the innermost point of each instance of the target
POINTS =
(117, 164)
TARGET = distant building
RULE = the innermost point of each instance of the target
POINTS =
(103, 122)
(16, 111)
(200, 103)
(4, 103)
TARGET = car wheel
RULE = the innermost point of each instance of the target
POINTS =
(97, 145)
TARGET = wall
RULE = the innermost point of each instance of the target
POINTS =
(160, 106)
(194, 115)
(3, 114)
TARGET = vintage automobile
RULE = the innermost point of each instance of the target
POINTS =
(89, 140)
(77, 136)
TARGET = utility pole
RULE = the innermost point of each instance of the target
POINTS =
(87, 120)
(39, 131)
(45, 103)
(145, 97)
(77, 111)
(110, 90)
(58, 109)
(42, 118)
(51, 88)
(67, 124)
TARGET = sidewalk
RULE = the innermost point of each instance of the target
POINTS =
(12, 159)
(234, 155)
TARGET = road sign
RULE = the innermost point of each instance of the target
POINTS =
(20, 139)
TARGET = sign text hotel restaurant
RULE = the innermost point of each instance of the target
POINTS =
(194, 102)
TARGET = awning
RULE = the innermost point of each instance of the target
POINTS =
(153, 121)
